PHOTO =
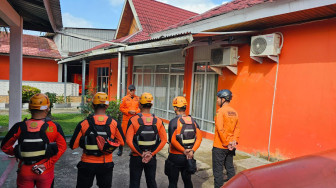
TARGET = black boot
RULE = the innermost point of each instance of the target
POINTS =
(120, 151)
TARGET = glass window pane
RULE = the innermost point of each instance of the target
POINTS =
(180, 85)
(162, 68)
(148, 69)
(210, 100)
(172, 90)
(138, 87)
(99, 72)
(161, 88)
(177, 68)
(198, 95)
(138, 69)
(200, 67)
(171, 115)
(148, 83)
(99, 84)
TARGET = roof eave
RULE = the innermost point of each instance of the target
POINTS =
(180, 40)
(244, 15)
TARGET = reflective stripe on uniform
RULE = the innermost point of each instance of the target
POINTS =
(189, 130)
(147, 132)
(33, 153)
(190, 141)
(99, 133)
(91, 147)
(33, 140)
(146, 143)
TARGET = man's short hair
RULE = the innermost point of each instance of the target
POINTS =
(147, 105)
(99, 106)
(182, 109)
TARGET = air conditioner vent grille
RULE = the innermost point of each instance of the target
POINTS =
(259, 45)
(217, 56)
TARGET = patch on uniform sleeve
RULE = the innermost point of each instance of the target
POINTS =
(231, 113)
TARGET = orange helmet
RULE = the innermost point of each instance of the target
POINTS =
(179, 101)
(39, 101)
(100, 98)
(146, 98)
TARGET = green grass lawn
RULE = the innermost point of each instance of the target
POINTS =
(68, 122)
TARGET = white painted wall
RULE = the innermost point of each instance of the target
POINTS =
(52, 87)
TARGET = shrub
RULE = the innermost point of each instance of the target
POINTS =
(52, 98)
(113, 109)
(28, 92)
(60, 99)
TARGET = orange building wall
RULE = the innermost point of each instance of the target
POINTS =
(34, 69)
(112, 64)
(305, 104)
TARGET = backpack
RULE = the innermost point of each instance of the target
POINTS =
(33, 143)
(147, 135)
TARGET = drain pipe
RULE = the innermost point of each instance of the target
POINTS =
(270, 133)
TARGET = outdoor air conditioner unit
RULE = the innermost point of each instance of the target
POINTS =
(266, 46)
(222, 57)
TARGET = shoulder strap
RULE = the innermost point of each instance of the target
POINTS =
(91, 126)
(23, 128)
(154, 124)
(140, 121)
(107, 126)
(43, 129)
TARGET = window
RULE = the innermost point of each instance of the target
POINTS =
(203, 106)
(102, 79)
(164, 82)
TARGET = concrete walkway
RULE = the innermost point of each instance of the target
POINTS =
(66, 171)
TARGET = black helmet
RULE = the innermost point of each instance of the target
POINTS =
(225, 93)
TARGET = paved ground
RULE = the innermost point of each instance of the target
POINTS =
(66, 172)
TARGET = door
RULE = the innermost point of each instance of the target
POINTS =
(103, 79)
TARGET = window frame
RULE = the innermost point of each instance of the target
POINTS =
(169, 73)
(205, 73)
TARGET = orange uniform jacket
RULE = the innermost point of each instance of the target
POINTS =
(80, 131)
(128, 103)
(227, 127)
(133, 128)
(176, 147)
(54, 133)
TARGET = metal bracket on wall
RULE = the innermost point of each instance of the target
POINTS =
(233, 69)
(218, 70)
(258, 59)
(274, 58)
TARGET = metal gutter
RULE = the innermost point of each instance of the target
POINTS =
(89, 38)
(150, 45)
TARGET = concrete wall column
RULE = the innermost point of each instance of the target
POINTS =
(15, 74)
(65, 81)
(83, 79)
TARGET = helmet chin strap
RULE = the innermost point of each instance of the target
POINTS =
(222, 102)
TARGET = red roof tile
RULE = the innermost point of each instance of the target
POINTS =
(219, 10)
(32, 46)
(154, 16)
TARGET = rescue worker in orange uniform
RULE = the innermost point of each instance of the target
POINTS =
(129, 107)
(146, 136)
(227, 131)
(185, 138)
(41, 143)
(96, 161)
